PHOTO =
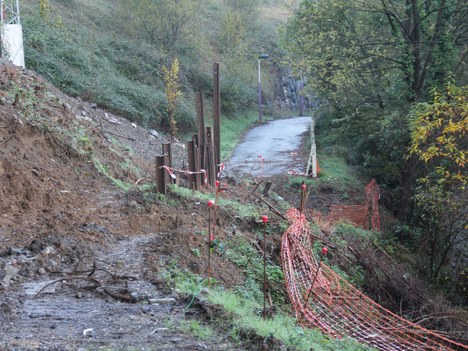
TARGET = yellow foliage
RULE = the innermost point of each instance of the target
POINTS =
(44, 8)
(173, 93)
(439, 135)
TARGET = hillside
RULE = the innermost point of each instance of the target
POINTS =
(82, 230)
(113, 52)
(92, 257)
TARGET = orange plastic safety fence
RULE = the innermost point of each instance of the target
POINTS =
(324, 300)
(365, 216)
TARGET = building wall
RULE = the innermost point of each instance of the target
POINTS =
(12, 42)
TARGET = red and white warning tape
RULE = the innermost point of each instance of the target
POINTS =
(172, 172)
(221, 169)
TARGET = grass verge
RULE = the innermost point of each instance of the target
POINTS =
(245, 314)
(232, 130)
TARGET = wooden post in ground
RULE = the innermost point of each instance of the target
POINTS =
(216, 117)
(161, 175)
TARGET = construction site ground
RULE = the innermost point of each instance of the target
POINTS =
(85, 241)
(80, 258)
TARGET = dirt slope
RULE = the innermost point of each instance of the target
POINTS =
(64, 221)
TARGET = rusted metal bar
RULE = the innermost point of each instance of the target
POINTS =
(210, 160)
(201, 133)
(216, 116)
(161, 175)
(190, 157)
(303, 197)
(200, 118)
(167, 153)
(196, 163)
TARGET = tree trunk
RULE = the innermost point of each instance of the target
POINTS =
(407, 182)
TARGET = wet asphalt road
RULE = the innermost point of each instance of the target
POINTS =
(271, 149)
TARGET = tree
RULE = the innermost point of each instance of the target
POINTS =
(173, 93)
(438, 139)
(164, 23)
(44, 9)
(369, 61)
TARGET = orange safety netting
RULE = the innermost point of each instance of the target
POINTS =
(364, 216)
(324, 300)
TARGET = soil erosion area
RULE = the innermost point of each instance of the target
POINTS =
(81, 259)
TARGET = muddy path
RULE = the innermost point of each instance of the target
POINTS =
(271, 149)
(127, 311)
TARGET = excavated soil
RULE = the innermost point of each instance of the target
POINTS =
(80, 260)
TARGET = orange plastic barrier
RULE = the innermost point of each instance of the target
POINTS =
(322, 299)
(365, 216)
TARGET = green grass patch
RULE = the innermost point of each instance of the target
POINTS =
(334, 174)
(102, 168)
(246, 314)
(201, 332)
(243, 210)
(232, 130)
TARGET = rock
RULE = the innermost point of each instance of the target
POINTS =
(89, 332)
(110, 119)
(83, 113)
(5, 311)
(139, 296)
(153, 132)
(93, 106)
(134, 125)
(41, 271)
(133, 204)
(11, 271)
(162, 300)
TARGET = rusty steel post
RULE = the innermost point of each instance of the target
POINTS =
(303, 192)
(201, 133)
(216, 116)
(196, 162)
(190, 157)
(265, 221)
(161, 176)
(167, 153)
(210, 164)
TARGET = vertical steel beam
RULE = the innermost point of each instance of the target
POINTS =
(160, 175)
(216, 116)
(167, 153)
(210, 164)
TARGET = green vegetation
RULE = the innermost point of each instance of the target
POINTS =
(242, 210)
(335, 175)
(102, 168)
(114, 53)
(202, 332)
(374, 65)
(232, 130)
(245, 256)
(245, 314)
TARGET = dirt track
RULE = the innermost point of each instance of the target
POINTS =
(62, 219)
